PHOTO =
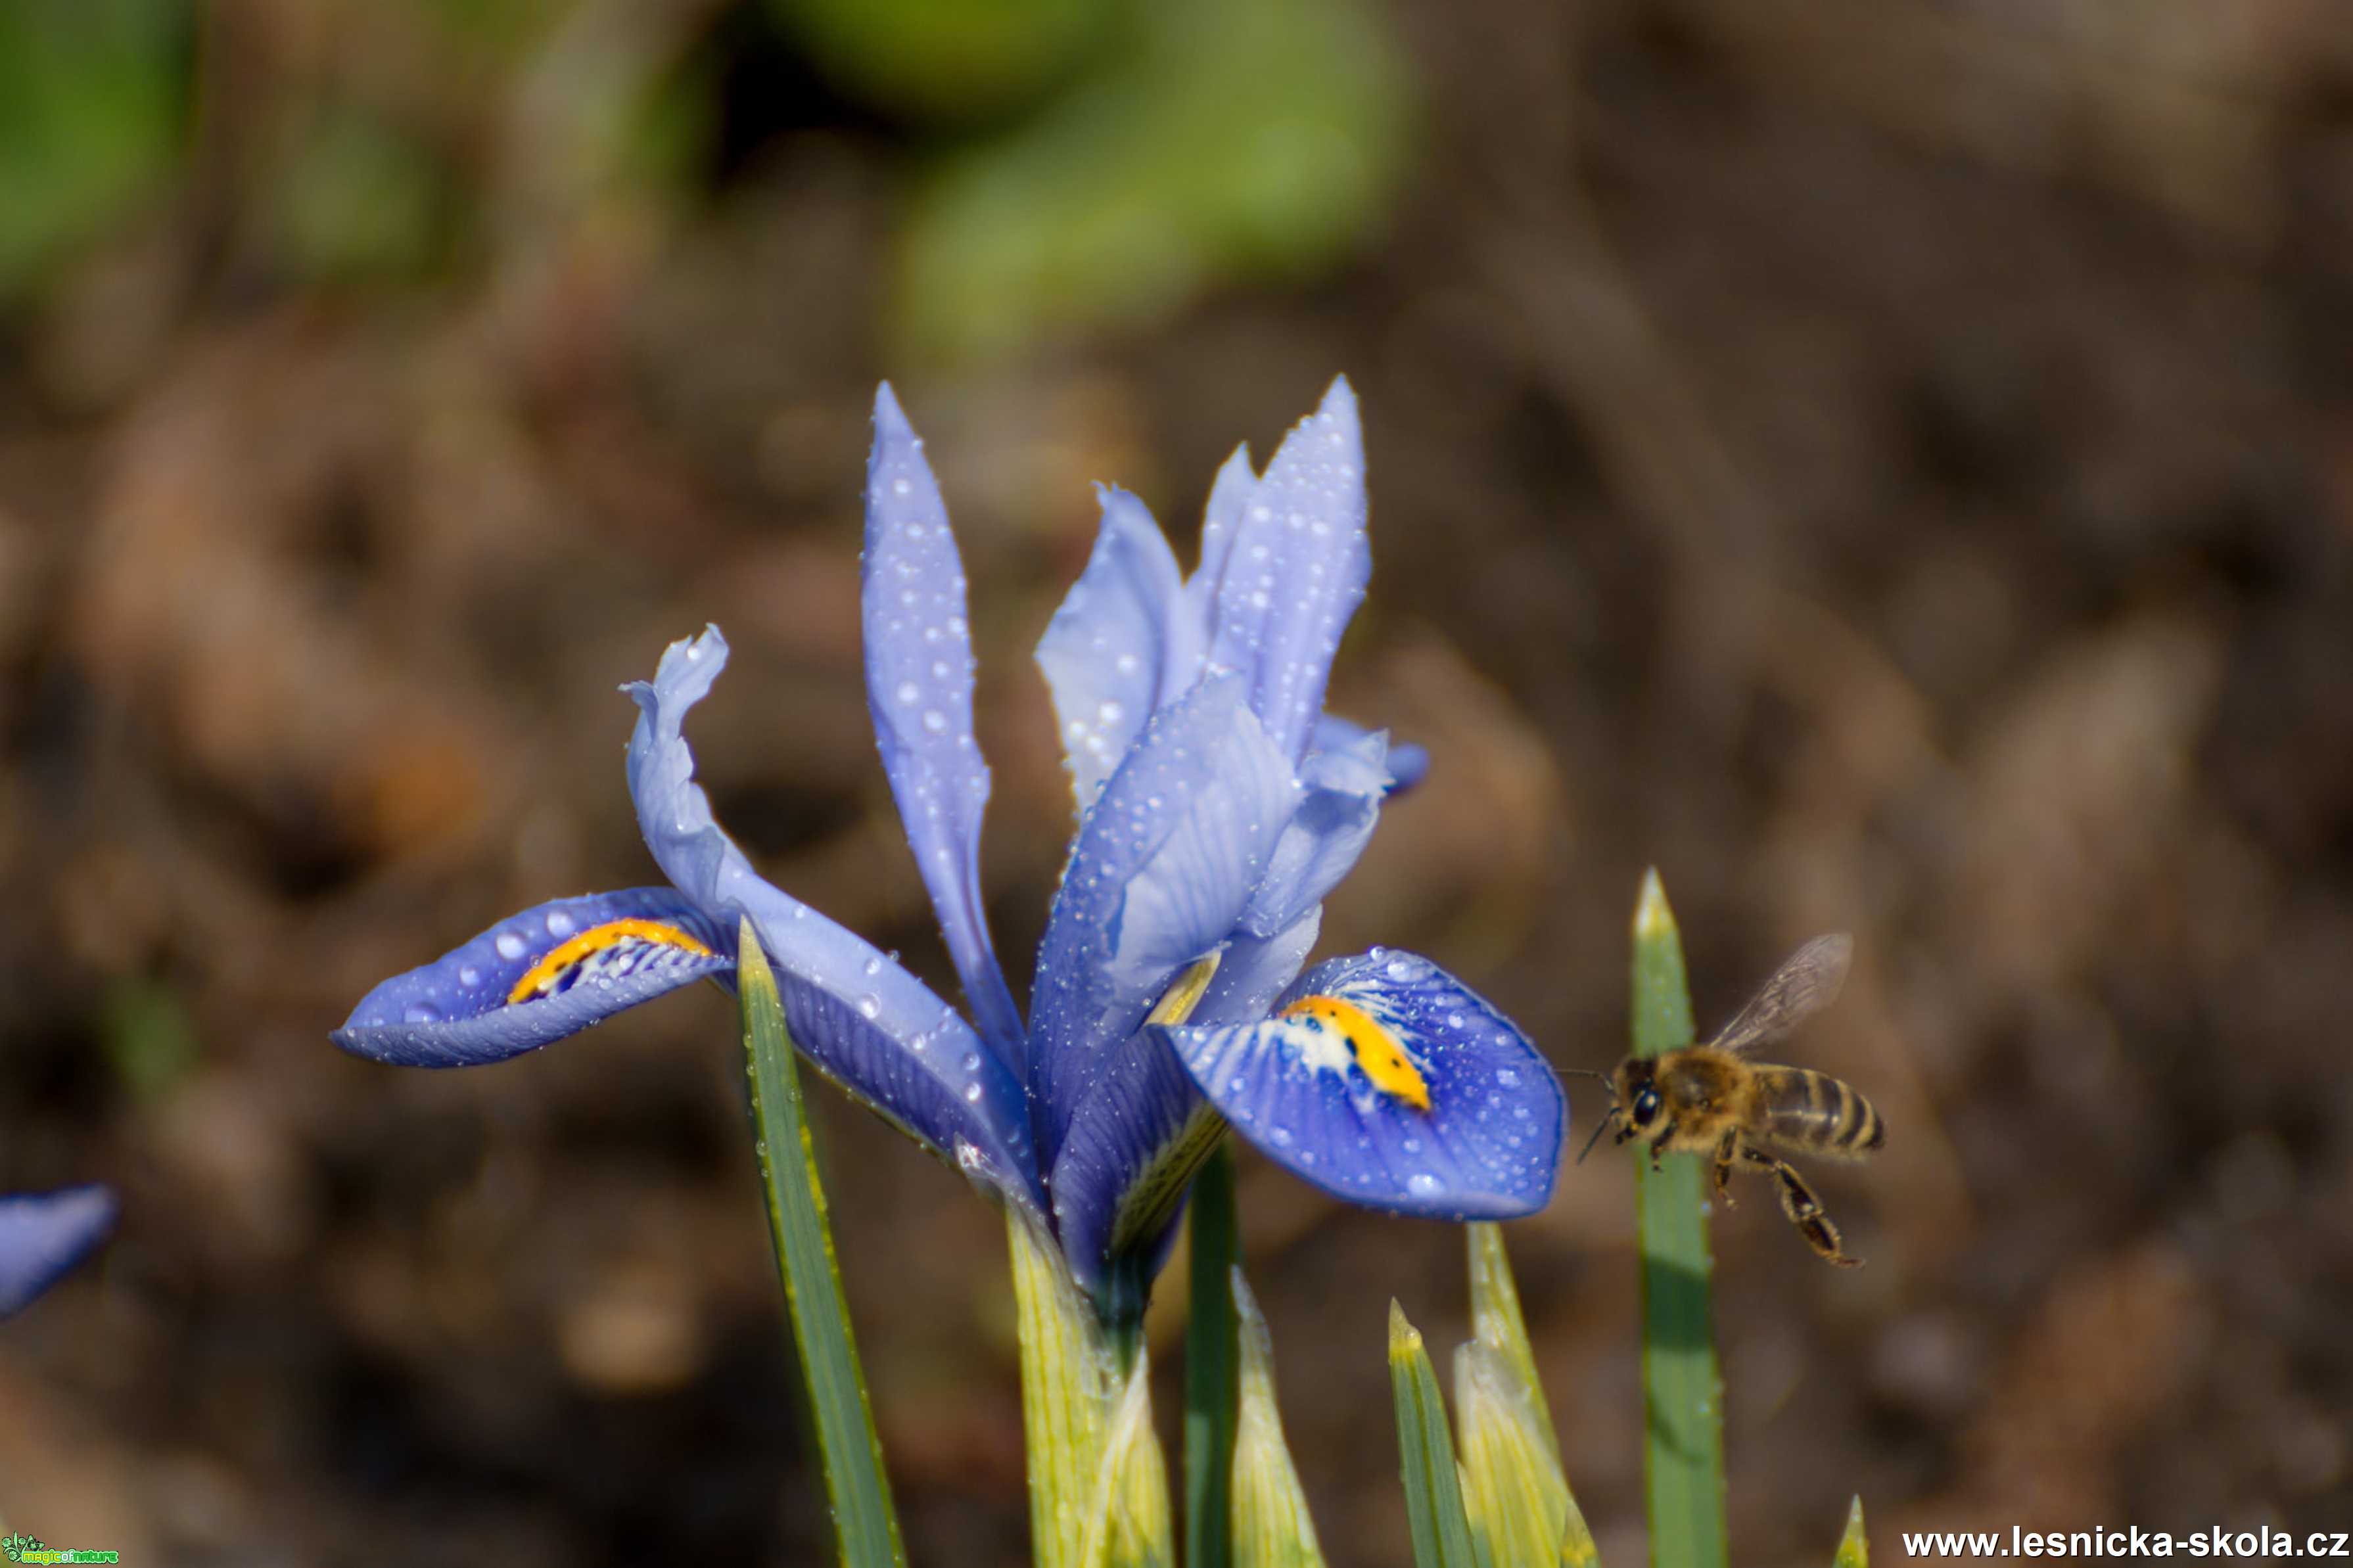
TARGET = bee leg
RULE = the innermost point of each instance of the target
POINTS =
(1805, 1210)
(1727, 1148)
(1665, 1134)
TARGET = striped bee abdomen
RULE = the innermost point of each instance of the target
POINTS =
(1809, 1111)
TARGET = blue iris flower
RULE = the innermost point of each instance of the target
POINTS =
(42, 1235)
(1217, 805)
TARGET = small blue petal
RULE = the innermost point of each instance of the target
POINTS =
(855, 1013)
(1286, 578)
(536, 977)
(1389, 1083)
(919, 676)
(42, 1235)
(1125, 643)
(1164, 866)
(1406, 764)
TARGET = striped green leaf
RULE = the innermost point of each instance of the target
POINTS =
(854, 1483)
(1684, 1399)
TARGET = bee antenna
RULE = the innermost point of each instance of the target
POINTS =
(1608, 1117)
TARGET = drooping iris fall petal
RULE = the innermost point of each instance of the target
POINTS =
(1385, 1080)
(537, 976)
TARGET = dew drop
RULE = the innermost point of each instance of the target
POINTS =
(909, 691)
(511, 945)
(420, 1012)
(936, 721)
(1124, 664)
(1423, 1184)
(559, 924)
(1111, 712)
(1399, 969)
(901, 487)
(972, 1093)
(468, 975)
(871, 1006)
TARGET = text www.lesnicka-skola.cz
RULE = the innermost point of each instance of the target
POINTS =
(2268, 1542)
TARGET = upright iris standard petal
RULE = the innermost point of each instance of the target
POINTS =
(536, 977)
(1164, 866)
(42, 1235)
(1125, 643)
(919, 677)
(1221, 524)
(1294, 572)
(1385, 1080)
(865, 1022)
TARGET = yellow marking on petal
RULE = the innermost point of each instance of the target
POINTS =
(1376, 1049)
(539, 976)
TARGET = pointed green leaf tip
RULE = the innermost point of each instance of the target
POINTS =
(1853, 1548)
(1513, 1490)
(1434, 1494)
(854, 1483)
(1683, 1467)
(1271, 1524)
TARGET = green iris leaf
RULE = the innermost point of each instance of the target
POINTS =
(854, 1483)
(1683, 1394)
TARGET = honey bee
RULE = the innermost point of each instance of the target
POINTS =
(1709, 1098)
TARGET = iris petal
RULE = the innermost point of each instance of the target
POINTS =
(1256, 969)
(1408, 763)
(42, 1235)
(1125, 643)
(1164, 866)
(1293, 570)
(864, 1021)
(536, 977)
(1321, 842)
(1389, 1083)
(1138, 1111)
(919, 676)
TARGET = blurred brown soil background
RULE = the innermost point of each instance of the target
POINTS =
(1890, 465)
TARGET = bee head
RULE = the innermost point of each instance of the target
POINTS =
(1639, 1104)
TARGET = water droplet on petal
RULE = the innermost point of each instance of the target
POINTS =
(420, 1012)
(871, 1006)
(511, 945)
(972, 1092)
(901, 487)
(934, 721)
(468, 975)
(1423, 1184)
(909, 691)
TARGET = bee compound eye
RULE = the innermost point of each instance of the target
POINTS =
(1646, 1105)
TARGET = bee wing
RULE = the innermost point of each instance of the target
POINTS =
(1808, 981)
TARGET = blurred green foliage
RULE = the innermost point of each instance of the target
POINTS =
(1224, 140)
(92, 103)
(948, 61)
(147, 1035)
(358, 198)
